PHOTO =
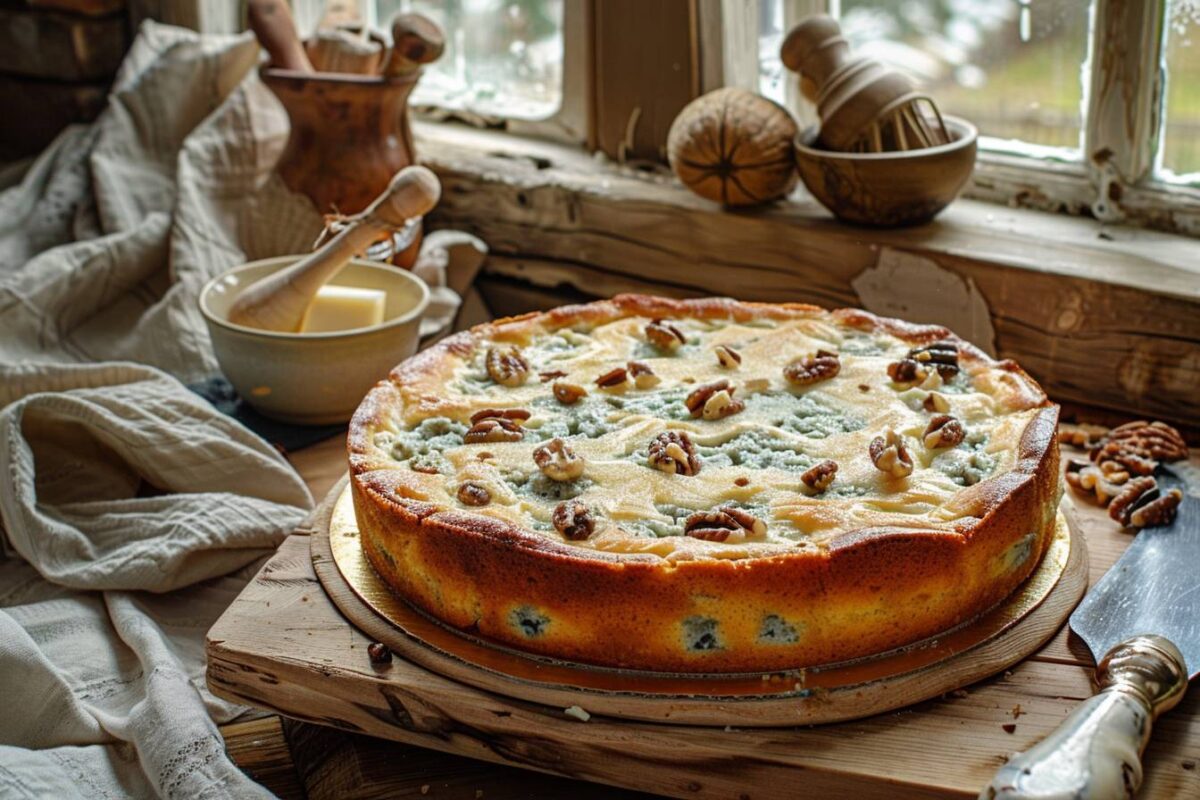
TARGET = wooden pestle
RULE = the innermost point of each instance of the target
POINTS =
(273, 26)
(416, 40)
(815, 48)
(278, 301)
(345, 51)
(862, 104)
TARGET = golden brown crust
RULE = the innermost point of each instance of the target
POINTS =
(869, 590)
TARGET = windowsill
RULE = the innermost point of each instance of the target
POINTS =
(1099, 313)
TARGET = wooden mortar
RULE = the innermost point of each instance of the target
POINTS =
(349, 135)
(350, 132)
(905, 187)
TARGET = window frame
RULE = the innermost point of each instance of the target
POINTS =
(568, 124)
(623, 84)
(1117, 179)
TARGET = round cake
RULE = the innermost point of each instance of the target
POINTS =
(704, 485)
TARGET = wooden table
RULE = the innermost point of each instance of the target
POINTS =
(1002, 714)
(299, 760)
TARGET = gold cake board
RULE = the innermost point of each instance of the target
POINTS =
(985, 646)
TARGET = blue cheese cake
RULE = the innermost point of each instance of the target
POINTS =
(704, 485)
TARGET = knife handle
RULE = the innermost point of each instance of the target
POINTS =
(1095, 754)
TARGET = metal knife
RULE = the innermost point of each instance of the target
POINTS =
(1142, 622)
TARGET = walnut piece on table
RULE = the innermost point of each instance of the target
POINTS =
(1120, 469)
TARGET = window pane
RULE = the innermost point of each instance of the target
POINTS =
(503, 57)
(772, 77)
(1013, 67)
(1181, 135)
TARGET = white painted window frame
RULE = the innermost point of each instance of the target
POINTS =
(568, 124)
(1116, 180)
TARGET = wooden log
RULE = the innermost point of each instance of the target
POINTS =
(258, 747)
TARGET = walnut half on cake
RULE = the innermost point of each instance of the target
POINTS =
(846, 485)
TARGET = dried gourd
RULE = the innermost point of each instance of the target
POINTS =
(734, 147)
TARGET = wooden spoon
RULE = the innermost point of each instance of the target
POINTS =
(278, 301)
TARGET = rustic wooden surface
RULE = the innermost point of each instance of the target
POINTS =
(90, 8)
(644, 74)
(1100, 315)
(61, 46)
(36, 110)
(946, 747)
(258, 747)
(345, 766)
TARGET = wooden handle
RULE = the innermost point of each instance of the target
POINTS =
(1096, 752)
(815, 48)
(416, 40)
(278, 301)
(273, 26)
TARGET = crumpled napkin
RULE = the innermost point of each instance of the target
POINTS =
(126, 498)
(123, 497)
(120, 478)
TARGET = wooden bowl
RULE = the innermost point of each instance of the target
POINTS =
(888, 189)
(313, 378)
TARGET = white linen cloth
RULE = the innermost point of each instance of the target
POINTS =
(128, 498)
(132, 511)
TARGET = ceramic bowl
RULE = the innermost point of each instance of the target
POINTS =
(889, 189)
(313, 378)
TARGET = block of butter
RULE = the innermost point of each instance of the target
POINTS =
(341, 308)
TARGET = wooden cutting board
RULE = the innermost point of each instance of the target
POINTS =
(998, 639)
(284, 646)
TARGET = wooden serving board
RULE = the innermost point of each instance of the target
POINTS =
(284, 646)
(983, 647)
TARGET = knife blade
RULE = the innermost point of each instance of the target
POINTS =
(1142, 623)
(1153, 588)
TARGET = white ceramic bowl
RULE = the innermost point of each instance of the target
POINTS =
(313, 378)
